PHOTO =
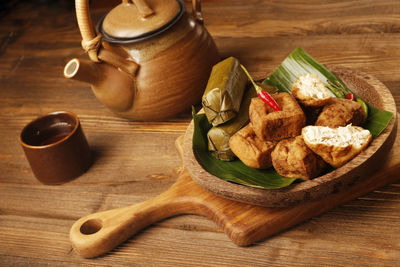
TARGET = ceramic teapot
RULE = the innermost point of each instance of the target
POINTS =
(149, 59)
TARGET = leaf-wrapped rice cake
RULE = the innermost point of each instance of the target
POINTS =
(218, 136)
(250, 149)
(340, 112)
(292, 158)
(225, 88)
(271, 125)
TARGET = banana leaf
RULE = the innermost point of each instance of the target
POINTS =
(299, 62)
(233, 171)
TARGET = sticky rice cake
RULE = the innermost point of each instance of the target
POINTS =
(250, 149)
(272, 125)
(292, 158)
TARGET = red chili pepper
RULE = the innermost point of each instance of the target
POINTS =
(268, 99)
(264, 95)
(350, 96)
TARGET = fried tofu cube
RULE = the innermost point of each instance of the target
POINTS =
(250, 149)
(340, 112)
(336, 146)
(272, 125)
(292, 158)
(311, 113)
(311, 91)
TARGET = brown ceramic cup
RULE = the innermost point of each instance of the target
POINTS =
(56, 147)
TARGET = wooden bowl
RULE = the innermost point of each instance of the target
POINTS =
(362, 166)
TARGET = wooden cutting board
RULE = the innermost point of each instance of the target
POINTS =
(245, 224)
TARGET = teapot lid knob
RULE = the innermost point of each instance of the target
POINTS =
(137, 18)
(143, 8)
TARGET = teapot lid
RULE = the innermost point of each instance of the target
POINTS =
(136, 19)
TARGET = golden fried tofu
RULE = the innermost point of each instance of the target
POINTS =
(292, 158)
(340, 112)
(311, 91)
(272, 125)
(250, 149)
(336, 146)
(311, 113)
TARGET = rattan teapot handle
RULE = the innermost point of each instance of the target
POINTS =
(196, 10)
(91, 40)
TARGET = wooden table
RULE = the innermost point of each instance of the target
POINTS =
(135, 161)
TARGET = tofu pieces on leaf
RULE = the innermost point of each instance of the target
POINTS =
(311, 91)
(254, 143)
(250, 149)
(336, 146)
(271, 125)
(292, 158)
(341, 112)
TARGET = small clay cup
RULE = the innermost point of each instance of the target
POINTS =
(56, 147)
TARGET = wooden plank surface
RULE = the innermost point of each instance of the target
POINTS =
(136, 161)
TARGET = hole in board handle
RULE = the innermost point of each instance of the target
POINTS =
(91, 226)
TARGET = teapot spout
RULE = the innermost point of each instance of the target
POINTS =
(113, 87)
(82, 70)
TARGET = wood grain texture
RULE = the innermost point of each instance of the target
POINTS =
(136, 161)
(368, 161)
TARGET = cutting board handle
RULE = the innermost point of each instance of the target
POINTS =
(100, 232)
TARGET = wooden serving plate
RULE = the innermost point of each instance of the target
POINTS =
(368, 88)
